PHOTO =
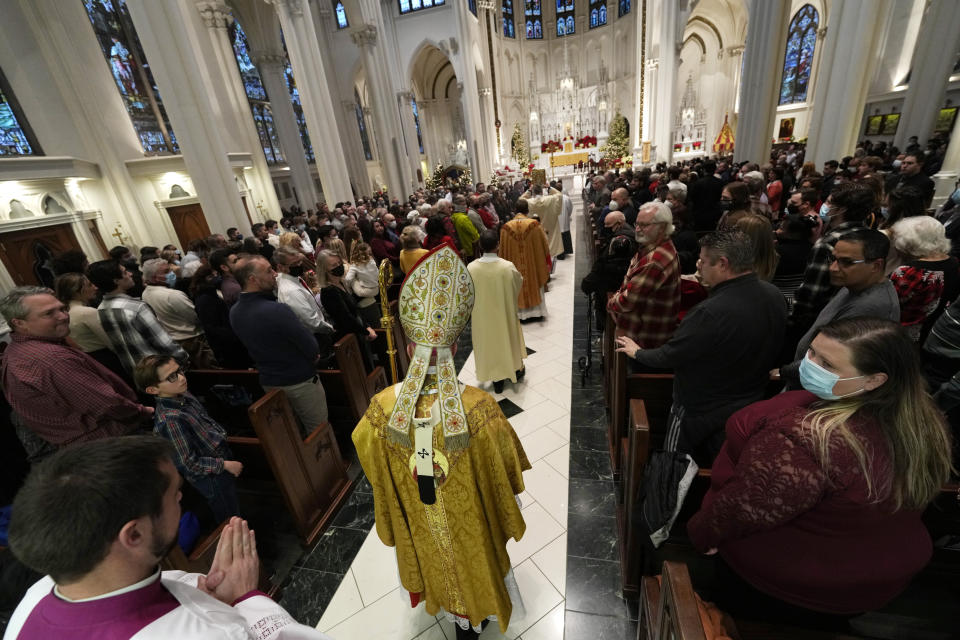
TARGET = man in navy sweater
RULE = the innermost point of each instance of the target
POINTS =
(284, 351)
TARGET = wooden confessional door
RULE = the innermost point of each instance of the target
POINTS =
(26, 254)
(189, 223)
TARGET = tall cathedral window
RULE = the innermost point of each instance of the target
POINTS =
(416, 121)
(341, 14)
(798, 57)
(297, 106)
(598, 13)
(121, 47)
(534, 19)
(406, 6)
(16, 138)
(508, 27)
(256, 96)
(565, 24)
(472, 5)
(623, 8)
(362, 124)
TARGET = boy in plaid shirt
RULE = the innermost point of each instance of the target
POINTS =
(202, 454)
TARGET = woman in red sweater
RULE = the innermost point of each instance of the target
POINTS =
(816, 496)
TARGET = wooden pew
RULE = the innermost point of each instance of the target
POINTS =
(668, 610)
(198, 560)
(311, 473)
(349, 387)
(399, 342)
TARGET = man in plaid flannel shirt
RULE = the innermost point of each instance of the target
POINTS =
(130, 323)
(645, 308)
(848, 205)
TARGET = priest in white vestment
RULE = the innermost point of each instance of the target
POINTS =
(548, 207)
(497, 336)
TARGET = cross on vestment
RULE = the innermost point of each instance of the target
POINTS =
(423, 453)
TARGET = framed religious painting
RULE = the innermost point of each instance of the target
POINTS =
(945, 120)
(786, 128)
(873, 125)
(890, 123)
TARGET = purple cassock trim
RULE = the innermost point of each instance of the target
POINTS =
(116, 618)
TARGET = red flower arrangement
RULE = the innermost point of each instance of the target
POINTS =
(550, 146)
(586, 141)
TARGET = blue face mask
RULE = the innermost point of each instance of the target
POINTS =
(885, 212)
(824, 211)
(821, 382)
(955, 196)
(171, 278)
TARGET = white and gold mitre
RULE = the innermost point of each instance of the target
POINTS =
(436, 301)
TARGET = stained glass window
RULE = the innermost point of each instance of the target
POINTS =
(565, 23)
(472, 5)
(362, 124)
(128, 65)
(623, 8)
(509, 31)
(798, 57)
(406, 6)
(256, 96)
(416, 121)
(598, 13)
(16, 139)
(341, 15)
(534, 19)
(297, 106)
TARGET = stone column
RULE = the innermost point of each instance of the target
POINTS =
(385, 113)
(272, 66)
(760, 84)
(170, 33)
(668, 61)
(477, 147)
(854, 34)
(301, 39)
(409, 124)
(237, 117)
(353, 144)
(932, 65)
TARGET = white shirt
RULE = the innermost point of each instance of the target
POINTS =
(300, 299)
(676, 184)
(174, 310)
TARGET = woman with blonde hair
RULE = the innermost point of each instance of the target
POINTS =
(411, 248)
(336, 246)
(340, 306)
(816, 497)
(363, 281)
(760, 231)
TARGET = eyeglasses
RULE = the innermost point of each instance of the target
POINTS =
(844, 263)
(644, 225)
(173, 377)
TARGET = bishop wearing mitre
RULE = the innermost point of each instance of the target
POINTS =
(444, 463)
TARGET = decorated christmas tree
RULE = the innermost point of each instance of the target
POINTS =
(616, 146)
(436, 180)
(518, 147)
(465, 181)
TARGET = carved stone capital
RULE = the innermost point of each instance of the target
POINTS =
(364, 36)
(293, 7)
(822, 33)
(405, 97)
(486, 91)
(486, 4)
(267, 58)
(736, 50)
(367, 112)
(215, 14)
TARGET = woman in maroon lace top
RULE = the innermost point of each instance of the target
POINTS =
(816, 496)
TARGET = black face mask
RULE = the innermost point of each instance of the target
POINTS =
(296, 272)
(793, 209)
(726, 205)
(338, 271)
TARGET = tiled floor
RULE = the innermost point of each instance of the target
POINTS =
(370, 603)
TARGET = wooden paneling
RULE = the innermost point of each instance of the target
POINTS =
(189, 223)
(26, 254)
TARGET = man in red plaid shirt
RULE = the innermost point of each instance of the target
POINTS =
(645, 308)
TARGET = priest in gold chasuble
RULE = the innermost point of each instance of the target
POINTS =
(444, 463)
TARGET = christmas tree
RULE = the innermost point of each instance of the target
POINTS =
(518, 147)
(616, 145)
(436, 180)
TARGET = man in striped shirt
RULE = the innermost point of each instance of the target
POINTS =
(645, 308)
(131, 325)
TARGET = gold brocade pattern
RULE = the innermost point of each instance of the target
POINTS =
(452, 552)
